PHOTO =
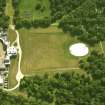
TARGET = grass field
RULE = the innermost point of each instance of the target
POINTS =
(11, 35)
(12, 73)
(9, 11)
(27, 9)
(46, 49)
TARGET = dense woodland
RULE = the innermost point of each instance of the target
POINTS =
(70, 88)
(3, 19)
(14, 99)
(60, 8)
(87, 22)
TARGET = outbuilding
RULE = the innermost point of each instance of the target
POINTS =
(11, 51)
(1, 80)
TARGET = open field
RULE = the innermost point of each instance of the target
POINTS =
(11, 35)
(46, 49)
(27, 9)
(9, 11)
(12, 72)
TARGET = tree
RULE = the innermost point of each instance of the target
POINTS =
(38, 6)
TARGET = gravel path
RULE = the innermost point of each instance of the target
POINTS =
(19, 74)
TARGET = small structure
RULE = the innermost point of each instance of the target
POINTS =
(1, 33)
(79, 49)
(1, 80)
(7, 43)
(2, 66)
(11, 51)
(7, 60)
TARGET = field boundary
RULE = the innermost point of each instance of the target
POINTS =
(53, 70)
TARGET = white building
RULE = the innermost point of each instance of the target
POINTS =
(11, 51)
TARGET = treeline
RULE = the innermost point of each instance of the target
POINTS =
(70, 88)
(28, 23)
(58, 8)
(12, 99)
(43, 23)
(3, 19)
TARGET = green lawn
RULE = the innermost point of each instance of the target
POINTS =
(11, 35)
(46, 49)
(27, 9)
(12, 72)
(9, 11)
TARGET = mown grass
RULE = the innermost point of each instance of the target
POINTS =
(45, 49)
(27, 9)
(12, 72)
(9, 11)
(11, 35)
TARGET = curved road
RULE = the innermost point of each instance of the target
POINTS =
(19, 74)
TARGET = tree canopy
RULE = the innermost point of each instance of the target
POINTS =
(3, 19)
